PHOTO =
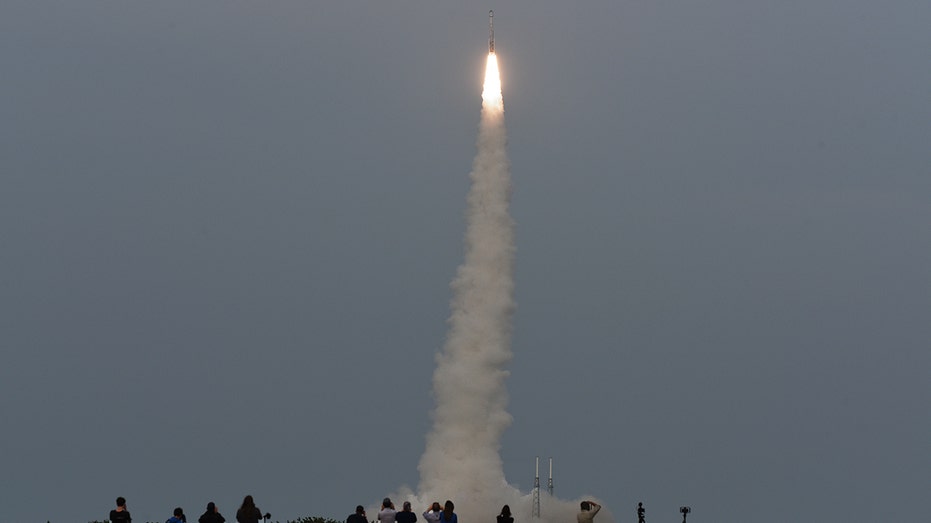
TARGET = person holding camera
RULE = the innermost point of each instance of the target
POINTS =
(387, 514)
(358, 516)
(589, 509)
(432, 514)
(212, 515)
(249, 513)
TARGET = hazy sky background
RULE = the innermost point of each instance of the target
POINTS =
(228, 231)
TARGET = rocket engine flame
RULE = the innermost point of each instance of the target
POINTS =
(491, 93)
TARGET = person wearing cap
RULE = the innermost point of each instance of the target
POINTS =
(406, 516)
(589, 509)
(358, 516)
(387, 514)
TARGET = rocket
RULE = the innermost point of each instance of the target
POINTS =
(491, 31)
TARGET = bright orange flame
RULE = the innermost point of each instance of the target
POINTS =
(491, 95)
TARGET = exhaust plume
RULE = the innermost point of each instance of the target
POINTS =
(461, 461)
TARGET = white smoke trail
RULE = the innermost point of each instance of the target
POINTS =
(461, 461)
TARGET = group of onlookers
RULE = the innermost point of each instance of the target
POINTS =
(446, 514)
(247, 513)
(434, 514)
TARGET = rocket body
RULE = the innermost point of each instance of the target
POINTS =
(491, 31)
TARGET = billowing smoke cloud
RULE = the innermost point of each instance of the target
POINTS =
(462, 461)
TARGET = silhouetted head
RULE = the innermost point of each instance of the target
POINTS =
(506, 511)
(360, 509)
(436, 506)
(178, 512)
(121, 501)
(211, 507)
(385, 503)
(586, 505)
(448, 510)
(247, 503)
(407, 506)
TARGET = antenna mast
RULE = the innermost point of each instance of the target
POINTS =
(535, 510)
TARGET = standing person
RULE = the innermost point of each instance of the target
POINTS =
(178, 516)
(640, 511)
(387, 513)
(120, 514)
(589, 509)
(358, 516)
(212, 515)
(432, 514)
(448, 516)
(406, 516)
(505, 515)
(249, 513)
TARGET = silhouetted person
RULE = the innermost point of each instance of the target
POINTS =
(406, 516)
(178, 516)
(120, 514)
(640, 511)
(249, 513)
(358, 516)
(589, 509)
(211, 515)
(505, 515)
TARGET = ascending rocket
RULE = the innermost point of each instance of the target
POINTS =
(491, 31)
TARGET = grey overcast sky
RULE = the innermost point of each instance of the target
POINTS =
(228, 231)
